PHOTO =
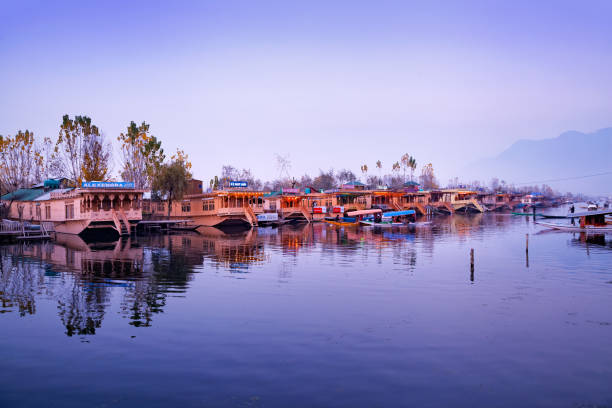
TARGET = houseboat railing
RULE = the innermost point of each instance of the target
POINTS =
(230, 211)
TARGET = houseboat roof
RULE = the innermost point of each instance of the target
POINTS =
(588, 213)
(398, 213)
(23, 194)
(47, 195)
(364, 212)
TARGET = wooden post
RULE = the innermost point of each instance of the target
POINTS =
(527, 250)
(472, 264)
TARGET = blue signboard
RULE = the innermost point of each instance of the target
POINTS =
(239, 184)
(108, 184)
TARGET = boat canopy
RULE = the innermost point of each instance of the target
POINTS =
(364, 212)
(398, 213)
(589, 213)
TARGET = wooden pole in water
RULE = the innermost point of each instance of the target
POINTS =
(526, 242)
(472, 264)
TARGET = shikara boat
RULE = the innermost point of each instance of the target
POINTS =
(389, 219)
(590, 221)
(342, 221)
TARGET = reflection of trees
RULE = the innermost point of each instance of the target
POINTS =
(147, 271)
(20, 283)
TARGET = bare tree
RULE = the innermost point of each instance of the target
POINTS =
(19, 159)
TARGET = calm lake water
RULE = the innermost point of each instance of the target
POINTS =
(311, 316)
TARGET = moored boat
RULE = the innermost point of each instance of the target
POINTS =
(590, 222)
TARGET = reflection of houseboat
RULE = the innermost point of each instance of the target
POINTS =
(111, 208)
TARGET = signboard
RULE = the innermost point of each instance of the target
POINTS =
(348, 187)
(242, 184)
(108, 184)
(291, 190)
(338, 209)
(319, 210)
(267, 217)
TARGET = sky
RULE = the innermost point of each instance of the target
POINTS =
(328, 84)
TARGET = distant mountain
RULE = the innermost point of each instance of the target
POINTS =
(572, 154)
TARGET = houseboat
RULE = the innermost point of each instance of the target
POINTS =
(453, 200)
(222, 208)
(294, 205)
(589, 221)
(95, 209)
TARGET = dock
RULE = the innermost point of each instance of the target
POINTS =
(22, 231)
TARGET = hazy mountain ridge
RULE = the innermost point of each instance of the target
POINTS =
(571, 154)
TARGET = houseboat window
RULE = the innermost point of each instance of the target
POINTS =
(38, 211)
(186, 206)
(146, 206)
(47, 212)
(160, 206)
(69, 211)
(208, 204)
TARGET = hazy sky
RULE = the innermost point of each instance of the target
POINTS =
(331, 84)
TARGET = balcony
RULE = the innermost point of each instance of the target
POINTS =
(223, 212)
(102, 215)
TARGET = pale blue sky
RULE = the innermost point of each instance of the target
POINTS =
(332, 84)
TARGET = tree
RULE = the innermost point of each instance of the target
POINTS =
(96, 160)
(49, 165)
(395, 168)
(379, 167)
(142, 155)
(325, 180)
(408, 162)
(19, 159)
(428, 179)
(364, 170)
(171, 181)
(283, 165)
(344, 176)
(494, 184)
(82, 151)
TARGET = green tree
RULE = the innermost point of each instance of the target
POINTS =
(171, 181)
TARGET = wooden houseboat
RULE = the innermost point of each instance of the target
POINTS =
(495, 201)
(294, 205)
(419, 201)
(221, 208)
(454, 200)
(94, 209)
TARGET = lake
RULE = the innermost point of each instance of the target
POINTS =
(311, 316)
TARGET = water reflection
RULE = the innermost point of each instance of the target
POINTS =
(142, 272)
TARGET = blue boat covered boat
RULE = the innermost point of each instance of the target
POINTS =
(398, 213)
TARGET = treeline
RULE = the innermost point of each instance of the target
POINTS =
(402, 171)
(81, 152)
(501, 186)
